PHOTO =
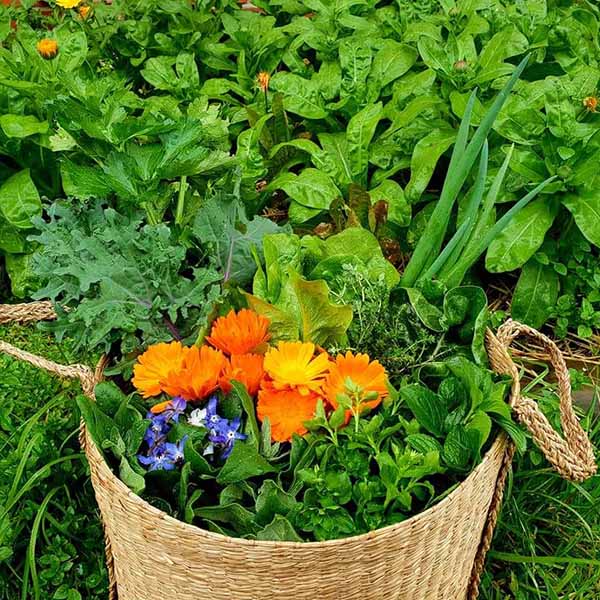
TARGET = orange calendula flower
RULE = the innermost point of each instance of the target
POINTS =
(84, 11)
(245, 368)
(294, 366)
(287, 411)
(47, 48)
(155, 364)
(240, 333)
(368, 378)
(198, 376)
(263, 79)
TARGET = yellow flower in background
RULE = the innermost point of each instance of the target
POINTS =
(68, 3)
(294, 366)
(47, 48)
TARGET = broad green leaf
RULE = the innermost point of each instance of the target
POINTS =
(279, 530)
(234, 514)
(430, 315)
(271, 501)
(425, 157)
(12, 240)
(389, 191)
(390, 63)
(73, 49)
(84, 182)
(504, 44)
(20, 126)
(360, 132)
(585, 208)
(312, 188)
(428, 409)
(536, 294)
(523, 236)
(243, 462)
(158, 72)
(134, 481)
(23, 281)
(355, 59)
(300, 96)
(19, 200)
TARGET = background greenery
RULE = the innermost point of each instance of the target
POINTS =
(547, 545)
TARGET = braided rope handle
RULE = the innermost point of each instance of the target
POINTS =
(572, 455)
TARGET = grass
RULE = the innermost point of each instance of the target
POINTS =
(547, 545)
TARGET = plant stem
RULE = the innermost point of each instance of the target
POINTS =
(181, 200)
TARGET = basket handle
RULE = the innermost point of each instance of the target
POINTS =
(572, 455)
(43, 311)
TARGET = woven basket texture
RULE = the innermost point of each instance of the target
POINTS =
(437, 555)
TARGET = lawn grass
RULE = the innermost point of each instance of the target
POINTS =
(547, 545)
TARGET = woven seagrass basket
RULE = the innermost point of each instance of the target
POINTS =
(438, 554)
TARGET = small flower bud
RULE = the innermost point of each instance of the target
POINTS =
(461, 65)
(84, 11)
(590, 103)
(47, 48)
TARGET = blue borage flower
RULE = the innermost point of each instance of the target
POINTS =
(161, 454)
(222, 433)
(165, 456)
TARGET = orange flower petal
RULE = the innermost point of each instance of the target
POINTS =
(287, 411)
(293, 366)
(239, 333)
(160, 407)
(369, 375)
(245, 368)
(198, 376)
(155, 364)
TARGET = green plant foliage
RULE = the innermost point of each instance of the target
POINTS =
(113, 279)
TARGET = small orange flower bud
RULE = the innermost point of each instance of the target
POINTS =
(591, 103)
(461, 65)
(263, 80)
(48, 48)
(84, 11)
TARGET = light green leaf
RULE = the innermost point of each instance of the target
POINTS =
(359, 134)
(300, 96)
(83, 182)
(19, 200)
(425, 156)
(312, 188)
(391, 62)
(523, 236)
(20, 126)
(390, 192)
(585, 208)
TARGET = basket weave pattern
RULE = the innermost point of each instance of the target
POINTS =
(437, 555)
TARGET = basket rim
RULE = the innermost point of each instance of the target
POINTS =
(498, 447)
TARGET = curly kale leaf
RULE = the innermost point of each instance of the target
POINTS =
(112, 278)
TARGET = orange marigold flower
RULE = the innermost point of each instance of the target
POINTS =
(245, 368)
(287, 411)
(240, 333)
(155, 364)
(294, 366)
(84, 11)
(47, 48)
(198, 376)
(367, 375)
